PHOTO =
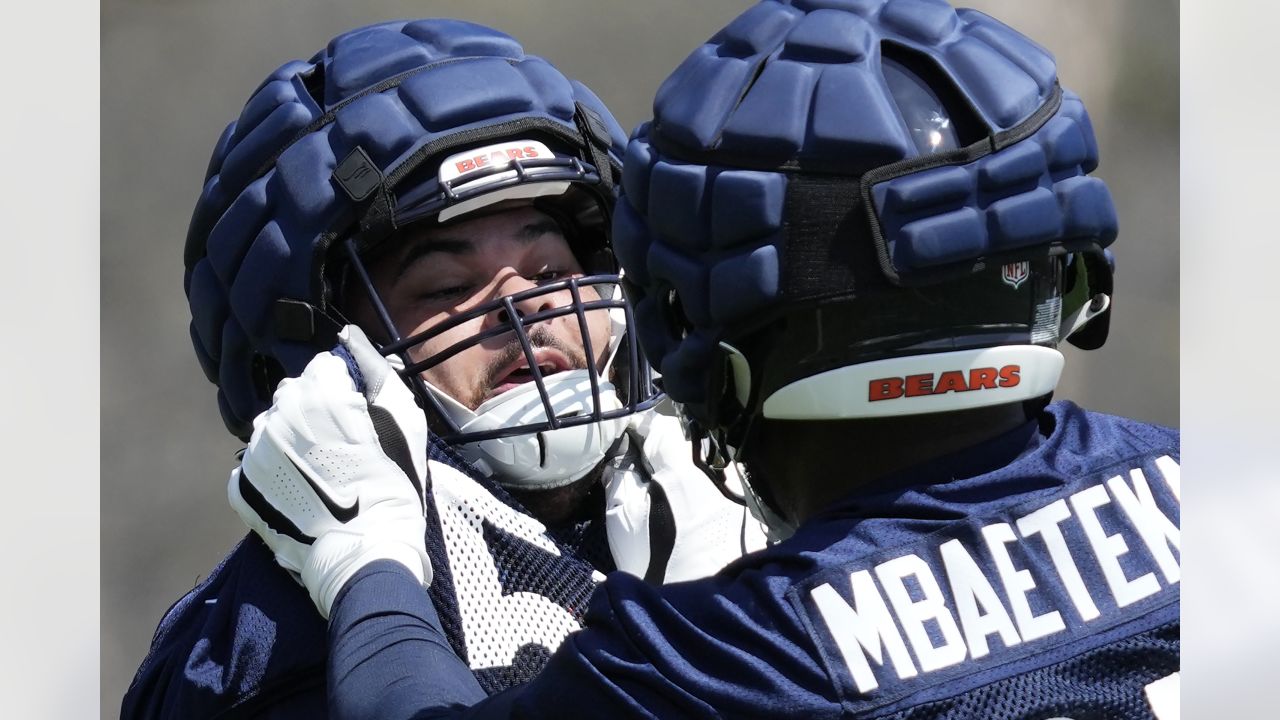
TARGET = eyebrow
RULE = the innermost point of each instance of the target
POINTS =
(459, 246)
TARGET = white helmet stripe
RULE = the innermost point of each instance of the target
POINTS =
(917, 384)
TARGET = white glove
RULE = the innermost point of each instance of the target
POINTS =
(665, 519)
(333, 479)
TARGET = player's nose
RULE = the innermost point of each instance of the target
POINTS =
(525, 298)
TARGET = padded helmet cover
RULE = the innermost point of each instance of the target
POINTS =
(787, 107)
(404, 93)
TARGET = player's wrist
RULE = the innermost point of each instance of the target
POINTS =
(338, 555)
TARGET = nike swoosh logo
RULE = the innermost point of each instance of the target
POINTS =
(341, 513)
(275, 519)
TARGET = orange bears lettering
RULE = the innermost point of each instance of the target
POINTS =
(891, 388)
(497, 157)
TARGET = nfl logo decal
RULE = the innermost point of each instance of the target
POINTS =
(1014, 274)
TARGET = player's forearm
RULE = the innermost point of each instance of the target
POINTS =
(388, 655)
(389, 659)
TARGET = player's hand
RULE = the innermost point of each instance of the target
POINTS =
(665, 519)
(335, 474)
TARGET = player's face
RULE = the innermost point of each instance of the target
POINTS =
(439, 271)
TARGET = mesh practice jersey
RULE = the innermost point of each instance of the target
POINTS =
(247, 642)
(1033, 577)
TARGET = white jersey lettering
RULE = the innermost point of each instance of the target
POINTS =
(973, 595)
(1156, 529)
(1172, 475)
(1018, 584)
(902, 602)
(1109, 548)
(1045, 523)
(862, 629)
(915, 614)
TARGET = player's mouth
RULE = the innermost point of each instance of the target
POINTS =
(549, 361)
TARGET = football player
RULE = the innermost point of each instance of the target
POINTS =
(856, 234)
(428, 193)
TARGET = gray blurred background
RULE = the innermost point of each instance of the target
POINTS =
(175, 72)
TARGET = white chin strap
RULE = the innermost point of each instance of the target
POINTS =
(552, 458)
(543, 460)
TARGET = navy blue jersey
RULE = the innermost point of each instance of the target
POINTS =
(1035, 576)
(248, 642)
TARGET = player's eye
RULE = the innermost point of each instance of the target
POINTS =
(550, 275)
(451, 292)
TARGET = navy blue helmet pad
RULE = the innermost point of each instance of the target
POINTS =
(401, 92)
(1004, 206)
(792, 97)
